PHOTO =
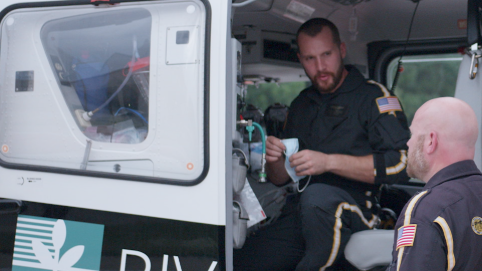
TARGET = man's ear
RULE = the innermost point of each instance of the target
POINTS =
(342, 50)
(432, 142)
(299, 56)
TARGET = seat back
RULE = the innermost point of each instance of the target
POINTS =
(370, 248)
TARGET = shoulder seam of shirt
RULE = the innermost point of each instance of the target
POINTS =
(381, 87)
(448, 204)
(411, 207)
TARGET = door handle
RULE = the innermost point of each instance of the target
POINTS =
(10, 206)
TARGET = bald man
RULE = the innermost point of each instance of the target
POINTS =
(441, 227)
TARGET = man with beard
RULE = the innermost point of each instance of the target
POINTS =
(352, 136)
(441, 227)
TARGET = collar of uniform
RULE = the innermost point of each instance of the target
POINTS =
(454, 171)
(353, 80)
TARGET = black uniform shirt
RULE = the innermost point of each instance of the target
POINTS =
(354, 120)
(443, 223)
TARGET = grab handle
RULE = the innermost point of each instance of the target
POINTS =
(10, 206)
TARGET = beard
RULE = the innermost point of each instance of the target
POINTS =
(328, 87)
(417, 165)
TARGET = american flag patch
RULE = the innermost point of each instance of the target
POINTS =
(406, 235)
(388, 104)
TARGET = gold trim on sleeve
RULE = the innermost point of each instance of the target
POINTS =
(398, 167)
(449, 240)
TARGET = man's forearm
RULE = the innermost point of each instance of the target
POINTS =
(277, 173)
(359, 168)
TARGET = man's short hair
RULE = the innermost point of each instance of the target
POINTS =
(314, 26)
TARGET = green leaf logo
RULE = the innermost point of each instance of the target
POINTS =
(57, 245)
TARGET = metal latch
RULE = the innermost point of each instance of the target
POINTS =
(475, 53)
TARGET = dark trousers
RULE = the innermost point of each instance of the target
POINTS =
(311, 233)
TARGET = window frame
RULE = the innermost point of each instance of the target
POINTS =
(381, 53)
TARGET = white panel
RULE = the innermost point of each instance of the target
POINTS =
(123, 166)
(469, 90)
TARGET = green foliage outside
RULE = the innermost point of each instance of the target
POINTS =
(424, 78)
(269, 93)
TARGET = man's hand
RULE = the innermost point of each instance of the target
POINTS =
(308, 162)
(275, 161)
(358, 168)
(274, 149)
